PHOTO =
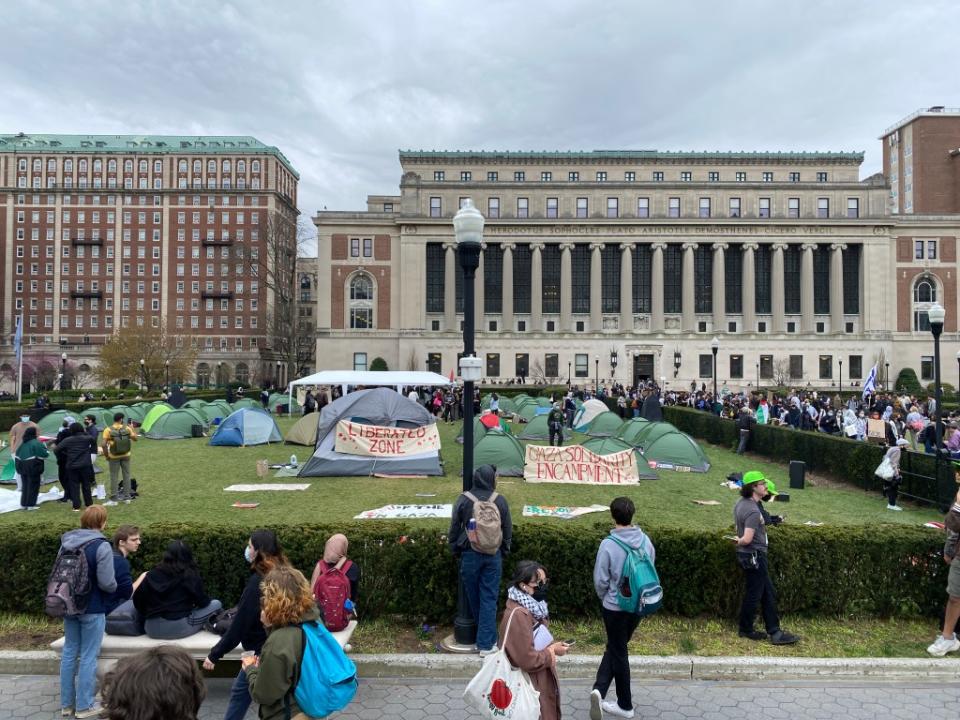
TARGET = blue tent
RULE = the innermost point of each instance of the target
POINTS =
(247, 426)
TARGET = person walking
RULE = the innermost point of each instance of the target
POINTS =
(889, 473)
(555, 424)
(118, 442)
(76, 452)
(62, 434)
(745, 423)
(619, 625)
(752, 557)
(29, 463)
(481, 550)
(83, 633)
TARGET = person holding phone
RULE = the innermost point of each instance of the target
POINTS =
(529, 645)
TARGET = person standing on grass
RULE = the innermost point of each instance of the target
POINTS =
(555, 424)
(117, 445)
(947, 641)
(76, 452)
(619, 625)
(29, 463)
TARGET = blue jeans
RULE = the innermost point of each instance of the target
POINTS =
(239, 698)
(480, 575)
(83, 636)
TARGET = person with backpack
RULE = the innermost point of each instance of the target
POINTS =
(82, 579)
(555, 424)
(118, 442)
(29, 463)
(480, 535)
(75, 453)
(334, 581)
(620, 624)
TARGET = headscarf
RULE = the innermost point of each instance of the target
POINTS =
(335, 549)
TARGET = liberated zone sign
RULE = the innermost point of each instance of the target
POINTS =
(378, 441)
(577, 464)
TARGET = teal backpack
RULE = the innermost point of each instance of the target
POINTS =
(327, 678)
(639, 591)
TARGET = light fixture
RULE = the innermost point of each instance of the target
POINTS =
(471, 368)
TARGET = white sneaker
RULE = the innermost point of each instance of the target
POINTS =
(595, 700)
(91, 712)
(613, 709)
(895, 507)
(110, 503)
(941, 646)
(491, 651)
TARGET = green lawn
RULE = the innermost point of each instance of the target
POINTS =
(183, 481)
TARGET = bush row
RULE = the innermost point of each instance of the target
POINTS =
(409, 572)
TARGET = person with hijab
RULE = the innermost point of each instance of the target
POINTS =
(334, 554)
(29, 463)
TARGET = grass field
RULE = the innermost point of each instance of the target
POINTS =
(183, 481)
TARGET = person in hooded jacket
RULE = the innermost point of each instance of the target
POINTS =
(62, 434)
(29, 463)
(619, 625)
(171, 598)
(74, 452)
(480, 573)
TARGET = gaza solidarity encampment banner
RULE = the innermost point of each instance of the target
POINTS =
(577, 464)
(378, 441)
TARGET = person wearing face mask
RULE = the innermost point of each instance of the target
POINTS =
(264, 553)
(529, 644)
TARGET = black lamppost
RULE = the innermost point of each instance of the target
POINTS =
(958, 372)
(841, 377)
(613, 363)
(278, 374)
(886, 378)
(219, 373)
(143, 374)
(758, 376)
(63, 375)
(714, 347)
(468, 229)
(569, 363)
(676, 362)
(936, 314)
(166, 366)
(596, 364)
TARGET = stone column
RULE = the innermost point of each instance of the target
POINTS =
(806, 288)
(566, 288)
(749, 288)
(719, 282)
(450, 289)
(596, 287)
(478, 295)
(836, 287)
(626, 287)
(656, 286)
(536, 287)
(689, 319)
(776, 288)
(506, 311)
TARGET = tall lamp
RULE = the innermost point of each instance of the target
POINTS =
(936, 315)
(596, 364)
(958, 372)
(841, 375)
(63, 375)
(166, 367)
(143, 374)
(758, 376)
(714, 347)
(886, 378)
(676, 362)
(569, 363)
(613, 363)
(219, 373)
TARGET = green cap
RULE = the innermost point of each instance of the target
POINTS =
(753, 476)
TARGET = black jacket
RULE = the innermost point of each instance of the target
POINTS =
(169, 596)
(246, 629)
(75, 451)
(484, 483)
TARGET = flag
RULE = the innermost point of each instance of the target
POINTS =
(18, 338)
(870, 386)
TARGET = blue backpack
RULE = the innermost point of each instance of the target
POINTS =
(327, 678)
(639, 591)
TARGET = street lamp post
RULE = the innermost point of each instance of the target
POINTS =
(958, 374)
(841, 376)
(143, 374)
(613, 363)
(219, 373)
(596, 364)
(936, 314)
(569, 363)
(63, 375)
(676, 362)
(278, 374)
(758, 376)
(166, 367)
(886, 378)
(715, 346)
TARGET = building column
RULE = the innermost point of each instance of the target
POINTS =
(596, 287)
(719, 282)
(566, 288)
(450, 288)
(749, 288)
(626, 287)
(806, 288)
(506, 310)
(478, 295)
(689, 318)
(656, 286)
(777, 301)
(836, 287)
(536, 287)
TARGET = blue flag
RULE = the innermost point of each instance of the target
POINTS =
(870, 386)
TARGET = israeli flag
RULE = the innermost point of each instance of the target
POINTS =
(870, 386)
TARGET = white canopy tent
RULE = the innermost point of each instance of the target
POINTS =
(398, 379)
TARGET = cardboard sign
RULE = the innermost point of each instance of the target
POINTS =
(577, 464)
(565, 512)
(378, 441)
(406, 512)
(876, 429)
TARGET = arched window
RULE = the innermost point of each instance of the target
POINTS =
(924, 295)
(203, 375)
(243, 373)
(111, 165)
(361, 302)
(128, 165)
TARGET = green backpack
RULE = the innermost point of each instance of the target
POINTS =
(639, 590)
(119, 441)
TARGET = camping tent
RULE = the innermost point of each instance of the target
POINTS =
(155, 414)
(195, 403)
(103, 416)
(8, 467)
(216, 409)
(282, 399)
(677, 451)
(119, 409)
(304, 431)
(175, 424)
(246, 402)
(587, 412)
(530, 410)
(50, 423)
(501, 450)
(247, 426)
(377, 406)
(135, 413)
(652, 431)
(605, 424)
(396, 379)
(610, 445)
(629, 431)
(539, 429)
(544, 402)
(479, 430)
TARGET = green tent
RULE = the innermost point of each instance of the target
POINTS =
(246, 403)
(216, 409)
(304, 431)
(104, 417)
(8, 467)
(175, 424)
(605, 424)
(501, 450)
(195, 403)
(282, 399)
(651, 432)
(631, 429)
(507, 406)
(136, 413)
(539, 429)
(528, 411)
(151, 417)
(120, 409)
(610, 445)
(479, 430)
(544, 402)
(50, 423)
(677, 451)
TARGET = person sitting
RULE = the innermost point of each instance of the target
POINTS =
(335, 555)
(171, 598)
(122, 616)
(161, 683)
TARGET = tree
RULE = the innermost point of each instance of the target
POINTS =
(412, 360)
(781, 372)
(907, 381)
(120, 356)
(378, 365)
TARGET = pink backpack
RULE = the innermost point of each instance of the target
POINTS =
(331, 591)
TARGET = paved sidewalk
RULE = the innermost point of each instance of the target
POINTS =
(36, 696)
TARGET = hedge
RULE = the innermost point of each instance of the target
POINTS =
(409, 572)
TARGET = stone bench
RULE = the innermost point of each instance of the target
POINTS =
(197, 645)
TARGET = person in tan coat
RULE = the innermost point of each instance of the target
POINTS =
(530, 646)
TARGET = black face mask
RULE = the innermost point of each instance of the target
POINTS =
(540, 592)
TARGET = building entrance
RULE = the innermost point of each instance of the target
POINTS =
(642, 368)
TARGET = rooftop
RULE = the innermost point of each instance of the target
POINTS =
(646, 155)
(141, 144)
(933, 111)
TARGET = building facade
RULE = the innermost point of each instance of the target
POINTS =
(103, 232)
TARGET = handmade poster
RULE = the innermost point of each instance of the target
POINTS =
(876, 430)
(564, 512)
(577, 464)
(257, 487)
(378, 441)
(406, 512)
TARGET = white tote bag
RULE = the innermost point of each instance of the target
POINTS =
(885, 469)
(500, 690)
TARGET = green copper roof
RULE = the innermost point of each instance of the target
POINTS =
(142, 144)
(555, 155)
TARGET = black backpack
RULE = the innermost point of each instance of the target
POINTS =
(70, 583)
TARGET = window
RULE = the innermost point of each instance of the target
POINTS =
(826, 367)
(438, 175)
(793, 207)
(493, 280)
(573, 177)
(354, 247)
(796, 367)
(673, 278)
(657, 176)
(733, 280)
(791, 278)
(551, 365)
(851, 280)
(673, 207)
(359, 362)
(492, 176)
(435, 207)
(924, 295)
(734, 207)
(706, 365)
(853, 208)
(686, 176)
(821, 177)
(546, 176)
(522, 365)
(523, 207)
(551, 278)
(601, 176)
(703, 279)
(613, 207)
(766, 367)
(926, 367)
(713, 176)
(767, 176)
(764, 207)
(368, 247)
(823, 207)
(931, 249)
(581, 365)
(794, 177)
(465, 176)
(519, 176)
(493, 365)
(553, 205)
(361, 302)
(736, 367)
(643, 207)
(918, 249)
(855, 365)
(388, 207)
(704, 207)
(462, 202)
(629, 176)
(581, 207)
(493, 207)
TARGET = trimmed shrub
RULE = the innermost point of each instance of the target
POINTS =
(907, 382)
(946, 389)
(378, 365)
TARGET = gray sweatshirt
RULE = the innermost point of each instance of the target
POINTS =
(610, 558)
(106, 580)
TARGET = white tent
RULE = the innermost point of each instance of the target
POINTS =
(367, 378)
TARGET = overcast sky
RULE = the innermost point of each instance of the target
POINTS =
(339, 87)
